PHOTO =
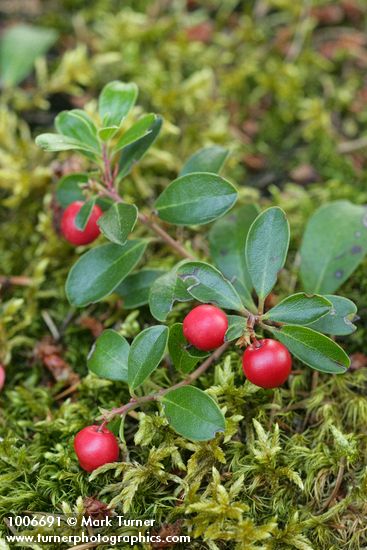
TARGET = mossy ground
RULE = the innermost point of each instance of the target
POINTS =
(282, 84)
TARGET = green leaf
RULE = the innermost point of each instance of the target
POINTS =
(334, 244)
(108, 357)
(107, 133)
(205, 283)
(300, 309)
(314, 349)
(114, 425)
(78, 125)
(115, 102)
(118, 222)
(136, 150)
(84, 214)
(209, 159)
(266, 249)
(193, 414)
(68, 189)
(104, 202)
(57, 142)
(146, 352)
(20, 45)
(165, 291)
(98, 272)
(140, 129)
(227, 240)
(196, 198)
(184, 357)
(236, 327)
(136, 287)
(339, 321)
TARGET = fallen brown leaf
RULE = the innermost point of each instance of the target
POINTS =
(167, 530)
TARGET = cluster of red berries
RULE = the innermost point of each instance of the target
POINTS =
(70, 230)
(266, 363)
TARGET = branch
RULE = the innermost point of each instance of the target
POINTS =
(300, 34)
(179, 248)
(346, 147)
(137, 401)
(111, 191)
(107, 168)
(17, 280)
(338, 482)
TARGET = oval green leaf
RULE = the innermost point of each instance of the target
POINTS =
(184, 356)
(84, 214)
(236, 327)
(266, 249)
(140, 129)
(69, 189)
(339, 322)
(314, 349)
(300, 309)
(118, 222)
(195, 199)
(207, 284)
(20, 46)
(98, 272)
(193, 414)
(58, 142)
(136, 287)
(135, 151)
(105, 134)
(146, 352)
(115, 101)
(208, 159)
(109, 356)
(78, 125)
(165, 291)
(334, 244)
(227, 240)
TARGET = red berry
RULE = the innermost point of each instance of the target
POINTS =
(95, 447)
(267, 363)
(70, 230)
(2, 377)
(205, 326)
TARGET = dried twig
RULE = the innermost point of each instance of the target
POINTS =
(338, 482)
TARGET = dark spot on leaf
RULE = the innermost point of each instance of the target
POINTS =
(223, 252)
(356, 249)
(340, 256)
(339, 274)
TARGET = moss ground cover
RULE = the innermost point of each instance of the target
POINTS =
(279, 83)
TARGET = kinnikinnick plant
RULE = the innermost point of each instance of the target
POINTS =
(248, 250)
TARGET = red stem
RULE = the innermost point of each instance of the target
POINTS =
(136, 402)
(109, 180)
